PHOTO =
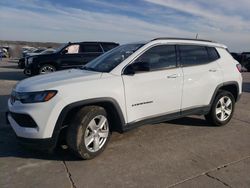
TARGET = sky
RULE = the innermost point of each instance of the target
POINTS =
(224, 21)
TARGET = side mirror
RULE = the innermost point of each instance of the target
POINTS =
(137, 67)
(64, 51)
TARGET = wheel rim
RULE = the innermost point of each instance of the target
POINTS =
(96, 133)
(47, 69)
(224, 108)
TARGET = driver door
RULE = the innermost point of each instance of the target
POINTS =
(71, 57)
(156, 92)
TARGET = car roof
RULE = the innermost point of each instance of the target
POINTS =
(173, 38)
(190, 41)
(93, 42)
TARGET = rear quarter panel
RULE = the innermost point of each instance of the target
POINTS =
(229, 70)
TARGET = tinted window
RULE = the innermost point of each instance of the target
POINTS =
(158, 57)
(193, 55)
(213, 54)
(106, 46)
(90, 48)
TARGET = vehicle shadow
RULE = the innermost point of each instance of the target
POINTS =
(246, 87)
(10, 147)
(12, 75)
(190, 121)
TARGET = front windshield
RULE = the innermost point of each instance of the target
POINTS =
(38, 51)
(61, 47)
(48, 51)
(109, 60)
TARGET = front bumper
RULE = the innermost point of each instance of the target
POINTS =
(43, 144)
(35, 120)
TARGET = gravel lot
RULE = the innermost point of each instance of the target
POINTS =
(181, 153)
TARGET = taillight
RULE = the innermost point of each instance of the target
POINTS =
(238, 67)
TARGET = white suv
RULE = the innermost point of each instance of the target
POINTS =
(131, 85)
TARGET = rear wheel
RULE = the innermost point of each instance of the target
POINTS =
(88, 133)
(222, 109)
(45, 69)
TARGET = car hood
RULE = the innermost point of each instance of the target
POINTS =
(32, 54)
(53, 80)
(43, 55)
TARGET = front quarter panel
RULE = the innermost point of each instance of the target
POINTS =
(108, 86)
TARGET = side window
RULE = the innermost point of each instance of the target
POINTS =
(106, 46)
(72, 49)
(193, 55)
(158, 57)
(90, 48)
(213, 54)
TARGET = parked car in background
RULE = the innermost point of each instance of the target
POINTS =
(236, 56)
(70, 55)
(245, 60)
(35, 52)
(28, 50)
(4, 52)
(21, 62)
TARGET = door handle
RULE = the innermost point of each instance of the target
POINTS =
(212, 70)
(173, 76)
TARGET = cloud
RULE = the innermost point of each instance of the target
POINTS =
(216, 18)
(126, 22)
(78, 24)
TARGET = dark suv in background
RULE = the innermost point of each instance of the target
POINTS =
(70, 55)
(243, 59)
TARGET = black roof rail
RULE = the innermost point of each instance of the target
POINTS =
(171, 38)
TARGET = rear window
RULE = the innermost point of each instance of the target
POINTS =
(106, 47)
(212, 53)
(193, 55)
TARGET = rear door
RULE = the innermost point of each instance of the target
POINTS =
(201, 74)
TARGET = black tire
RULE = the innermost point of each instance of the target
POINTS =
(211, 117)
(47, 66)
(76, 132)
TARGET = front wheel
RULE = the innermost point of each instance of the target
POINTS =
(45, 69)
(88, 133)
(222, 109)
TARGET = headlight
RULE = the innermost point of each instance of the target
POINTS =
(30, 60)
(32, 97)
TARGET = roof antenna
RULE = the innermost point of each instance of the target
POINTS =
(197, 35)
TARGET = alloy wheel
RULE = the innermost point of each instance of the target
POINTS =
(224, 108)
(47, 69)
(96, 133)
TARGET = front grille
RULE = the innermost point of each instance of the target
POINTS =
(24, 120)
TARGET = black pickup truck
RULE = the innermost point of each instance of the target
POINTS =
(70, 55)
